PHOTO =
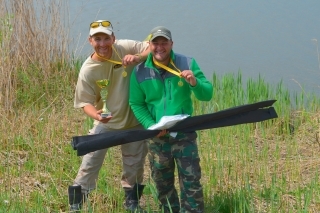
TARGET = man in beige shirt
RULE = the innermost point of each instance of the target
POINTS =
(112, 61)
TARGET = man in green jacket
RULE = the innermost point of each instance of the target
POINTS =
(162, 86)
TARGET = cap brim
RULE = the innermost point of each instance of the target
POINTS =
(159, 35)
(105, 30)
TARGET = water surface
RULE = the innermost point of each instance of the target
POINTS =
(276, 39)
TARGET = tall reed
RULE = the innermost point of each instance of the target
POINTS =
(34, 51)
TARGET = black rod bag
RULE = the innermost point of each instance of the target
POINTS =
(248, 113)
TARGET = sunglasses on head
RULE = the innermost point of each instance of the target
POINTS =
(102, 23)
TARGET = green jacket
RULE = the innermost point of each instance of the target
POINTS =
(153, 95)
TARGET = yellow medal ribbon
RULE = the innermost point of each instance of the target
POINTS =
(180, 83)
(168, 68)
(124, 73)
(112, 61)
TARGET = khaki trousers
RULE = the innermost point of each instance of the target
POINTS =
(133, 159)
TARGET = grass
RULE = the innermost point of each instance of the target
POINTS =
(272, 166)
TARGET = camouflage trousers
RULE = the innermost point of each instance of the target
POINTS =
(166, 153)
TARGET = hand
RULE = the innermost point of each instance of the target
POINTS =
(130, 60)
(162, 133)
(189, 77)
(102, 119)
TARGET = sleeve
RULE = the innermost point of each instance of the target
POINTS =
(137, 103)
(84, 94)
(136, 47)
(204, 89)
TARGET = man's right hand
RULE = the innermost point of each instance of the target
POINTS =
(102, 119)
(162, 133)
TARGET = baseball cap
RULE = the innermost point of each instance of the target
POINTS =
(160, 31)
(101, 26)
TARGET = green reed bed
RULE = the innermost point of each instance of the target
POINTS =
(271, 166)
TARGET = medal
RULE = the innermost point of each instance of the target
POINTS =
(180, 83)
(124, 74)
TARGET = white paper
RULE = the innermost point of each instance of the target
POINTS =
(173, 134)
(168, 121)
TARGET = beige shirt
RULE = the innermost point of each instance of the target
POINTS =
(87, 91)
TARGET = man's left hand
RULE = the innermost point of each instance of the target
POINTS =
(189, 77)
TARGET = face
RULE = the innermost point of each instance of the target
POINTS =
(160, 48)
(102, 44)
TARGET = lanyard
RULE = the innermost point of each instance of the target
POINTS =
(168, 68)
(112, 61)
(124, 73)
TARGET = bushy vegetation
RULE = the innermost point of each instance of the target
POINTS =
(272, 166)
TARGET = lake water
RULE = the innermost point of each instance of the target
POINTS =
(276, 39)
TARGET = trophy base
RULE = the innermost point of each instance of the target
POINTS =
(105, 114)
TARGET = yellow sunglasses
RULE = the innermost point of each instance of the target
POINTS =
(102, 23)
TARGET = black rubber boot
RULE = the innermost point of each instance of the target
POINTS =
(132, 197)
(76, 198)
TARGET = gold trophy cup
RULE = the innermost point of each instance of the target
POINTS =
(104, 93)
